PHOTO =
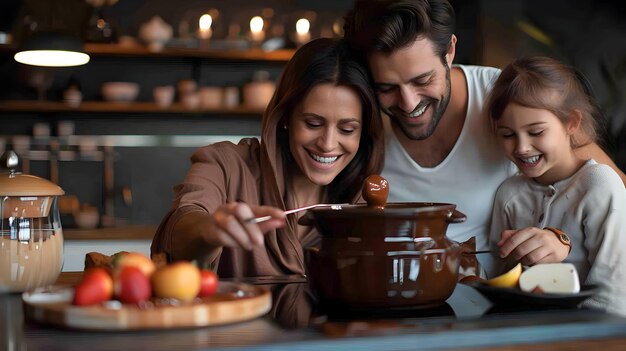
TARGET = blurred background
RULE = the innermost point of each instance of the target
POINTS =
(166, 77)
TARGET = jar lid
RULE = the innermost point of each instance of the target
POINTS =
(13, 183)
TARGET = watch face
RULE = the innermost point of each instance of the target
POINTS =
(563, 238)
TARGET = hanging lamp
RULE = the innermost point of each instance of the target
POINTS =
(51, 49)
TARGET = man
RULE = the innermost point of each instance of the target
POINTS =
(439, 145)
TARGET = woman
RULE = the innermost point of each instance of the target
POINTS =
(321, 136)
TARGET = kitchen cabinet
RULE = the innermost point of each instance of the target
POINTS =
(148, 146)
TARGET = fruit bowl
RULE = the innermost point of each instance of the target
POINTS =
(232, 303)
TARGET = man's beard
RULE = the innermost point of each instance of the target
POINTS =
(439, 108)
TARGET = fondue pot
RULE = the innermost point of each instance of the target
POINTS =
(31, 238)
(384, 255)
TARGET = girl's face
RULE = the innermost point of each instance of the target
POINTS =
(538, 143)
(325, 132)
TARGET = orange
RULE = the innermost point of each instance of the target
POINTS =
(179, 280)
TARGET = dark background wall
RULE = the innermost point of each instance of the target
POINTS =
(588, 34)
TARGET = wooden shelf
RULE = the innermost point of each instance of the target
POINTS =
(225, 54)
(118, 107)
(145, 232)
(142, 51)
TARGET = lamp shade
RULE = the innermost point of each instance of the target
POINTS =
(52, 50)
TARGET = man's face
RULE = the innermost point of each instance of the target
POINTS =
(413, 87)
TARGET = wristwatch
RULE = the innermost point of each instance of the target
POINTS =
(563, 238)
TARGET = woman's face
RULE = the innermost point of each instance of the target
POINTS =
(325, 131)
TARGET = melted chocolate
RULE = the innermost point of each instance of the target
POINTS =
(399, 257)
(375, 191)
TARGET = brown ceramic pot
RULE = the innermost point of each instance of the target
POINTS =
(398, 256)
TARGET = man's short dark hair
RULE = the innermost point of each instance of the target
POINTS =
(388, 25)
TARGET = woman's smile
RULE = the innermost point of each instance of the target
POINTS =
(325, 160)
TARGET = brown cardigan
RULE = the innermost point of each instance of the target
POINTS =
(225, 172)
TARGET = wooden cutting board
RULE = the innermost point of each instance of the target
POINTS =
(234, 302)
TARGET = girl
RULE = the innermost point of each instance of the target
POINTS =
(541, 111)
(321, 136)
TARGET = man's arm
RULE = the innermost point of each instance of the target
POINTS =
(594, 151)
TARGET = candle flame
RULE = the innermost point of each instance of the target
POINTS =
(256, 24)
(302, 26)
(205, 22)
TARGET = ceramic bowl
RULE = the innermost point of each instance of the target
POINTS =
(120, 91)
(155, 33)
(164, 95)
(87, 218)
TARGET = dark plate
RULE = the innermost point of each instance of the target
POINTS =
(509, 297)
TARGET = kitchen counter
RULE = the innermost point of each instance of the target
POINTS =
(466, 321)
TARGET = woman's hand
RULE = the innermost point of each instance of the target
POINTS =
(230, 228)
(532, 245)
(225, 227)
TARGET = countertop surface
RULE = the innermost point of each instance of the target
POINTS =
(296, 322)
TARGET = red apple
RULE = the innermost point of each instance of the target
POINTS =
(131, 285)
(208, 283)
(95, 287)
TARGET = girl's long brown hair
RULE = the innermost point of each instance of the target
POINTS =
(545, 83)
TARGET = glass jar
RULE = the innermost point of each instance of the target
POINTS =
(31, 237)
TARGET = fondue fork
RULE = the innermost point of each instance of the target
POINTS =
(478, 252)
(294, 210)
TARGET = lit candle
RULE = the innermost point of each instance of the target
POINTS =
(204, 26)
(256, 29)
(302, 30)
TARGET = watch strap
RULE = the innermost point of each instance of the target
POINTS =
(562, 236)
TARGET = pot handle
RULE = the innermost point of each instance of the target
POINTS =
(456, 217)
(307, 219)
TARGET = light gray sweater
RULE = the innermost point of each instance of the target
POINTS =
(590, 206)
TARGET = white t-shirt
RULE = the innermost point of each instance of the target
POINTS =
(468, 177)
(590, 207)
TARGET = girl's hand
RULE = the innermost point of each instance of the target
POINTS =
(230, 229)
(532, 245)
